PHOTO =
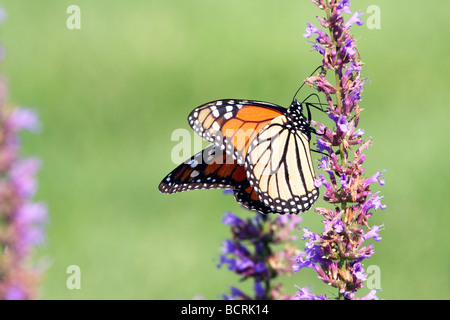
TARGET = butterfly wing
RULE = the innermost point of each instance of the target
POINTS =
(280, 170)
(250, 200)
(210, 169)
(233, 124)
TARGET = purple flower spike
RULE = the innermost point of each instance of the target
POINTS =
(249, 253)
(337, 254)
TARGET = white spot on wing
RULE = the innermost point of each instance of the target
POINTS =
(216, 126)
(194, 173)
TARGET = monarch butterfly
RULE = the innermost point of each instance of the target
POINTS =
(260, 150)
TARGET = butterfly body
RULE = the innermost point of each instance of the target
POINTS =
(260, 150)
(297, 120)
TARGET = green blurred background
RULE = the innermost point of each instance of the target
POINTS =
(110, 95)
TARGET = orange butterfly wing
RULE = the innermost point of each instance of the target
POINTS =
(210, 169)
(233, 124)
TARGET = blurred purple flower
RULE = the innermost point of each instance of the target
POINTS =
(15, 292)
(249, 253)
(30, 221)
(3, 15)
(228, 191)
(22, 221)
(24, 119)
(22, 176)
(231, 219)
(236, 294)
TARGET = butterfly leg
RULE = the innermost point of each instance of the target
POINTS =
(321, 152)
(312, 130)
(326, 154)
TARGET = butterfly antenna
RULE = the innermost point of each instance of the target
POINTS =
(314, 104)
(304, 83)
